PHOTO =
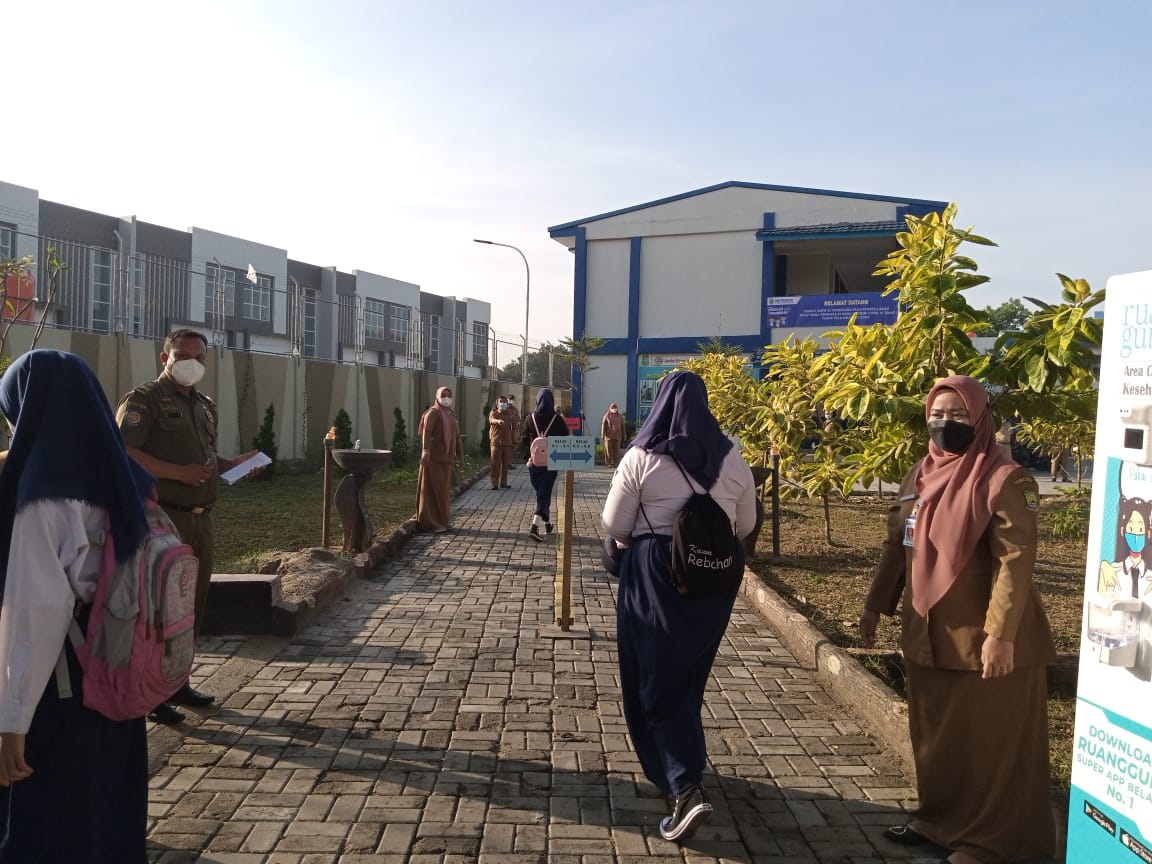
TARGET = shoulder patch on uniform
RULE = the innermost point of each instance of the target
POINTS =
(133, 417)
(1031, 499)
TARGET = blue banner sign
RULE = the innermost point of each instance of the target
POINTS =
(832, 310)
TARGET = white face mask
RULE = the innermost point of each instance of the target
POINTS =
(186, 373)
(446, 401)
(503, 406)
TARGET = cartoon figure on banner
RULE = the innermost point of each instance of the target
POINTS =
(1119, 629)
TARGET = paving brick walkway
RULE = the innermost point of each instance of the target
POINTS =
(426, 719)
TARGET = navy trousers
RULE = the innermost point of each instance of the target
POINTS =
(87, 798)
(543, 482)
(666, 643)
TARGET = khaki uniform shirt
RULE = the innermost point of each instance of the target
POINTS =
(502, 427)
(175, 427)
(993, 595)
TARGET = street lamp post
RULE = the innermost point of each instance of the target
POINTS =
(527, 295)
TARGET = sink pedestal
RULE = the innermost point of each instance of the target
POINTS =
(354, 516)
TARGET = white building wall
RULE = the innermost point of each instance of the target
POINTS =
(605, 384)
(374, 287)
(209, 247)
(20, 206)
(270, 344)
(478, 311)
(738, 208)
(701, 284)
(606, 308)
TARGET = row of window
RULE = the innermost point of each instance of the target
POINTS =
(382, 320)
(220, 294)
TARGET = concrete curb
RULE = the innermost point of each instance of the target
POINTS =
(849, 683)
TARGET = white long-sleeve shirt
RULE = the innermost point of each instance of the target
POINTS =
(52, 564)
(655, 480)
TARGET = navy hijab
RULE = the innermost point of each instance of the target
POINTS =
(67, 445)
(681, 426)
(545, 409)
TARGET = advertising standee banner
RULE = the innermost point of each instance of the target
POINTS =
(1110, 810)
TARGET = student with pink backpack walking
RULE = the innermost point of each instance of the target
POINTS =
(539, 425)
(73, 783)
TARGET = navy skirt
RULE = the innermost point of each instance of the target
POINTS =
(87, 798)
(666, 643)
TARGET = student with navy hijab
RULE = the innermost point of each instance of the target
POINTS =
(667, 641)
(73, 784)
(544, 421)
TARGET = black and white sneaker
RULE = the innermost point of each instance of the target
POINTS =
(534, 533)
(548, 529)
(690, 810)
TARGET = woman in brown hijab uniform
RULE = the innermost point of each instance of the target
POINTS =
(961, 549)
(440, 444)
(612, 431)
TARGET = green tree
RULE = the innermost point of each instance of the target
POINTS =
(577, 355)
(343, 424)
(1007, 317)
(400, 446)
(538, 367)
(265, 441)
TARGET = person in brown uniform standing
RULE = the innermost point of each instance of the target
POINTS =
(961, 549)
(612, 433)
(502, 431)
(169, 428)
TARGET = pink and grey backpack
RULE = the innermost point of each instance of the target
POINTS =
(140, 641)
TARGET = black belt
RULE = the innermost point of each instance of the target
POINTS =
(181, 508)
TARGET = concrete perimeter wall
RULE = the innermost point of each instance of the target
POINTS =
(306, 394)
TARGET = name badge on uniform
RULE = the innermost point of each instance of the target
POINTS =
(910, 526)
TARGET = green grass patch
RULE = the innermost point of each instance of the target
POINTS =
(258, 517)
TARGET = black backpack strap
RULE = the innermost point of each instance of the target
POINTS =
(688, 480)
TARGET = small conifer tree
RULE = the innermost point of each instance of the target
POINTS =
(265, 441)
(399, 439)
(343, 424)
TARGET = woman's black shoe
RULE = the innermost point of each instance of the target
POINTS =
(165, 715)
(192, 698)
(905, 835)
(690, 810)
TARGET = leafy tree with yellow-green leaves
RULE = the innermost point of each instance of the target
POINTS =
(876, 378)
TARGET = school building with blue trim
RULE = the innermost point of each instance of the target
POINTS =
(750, 263)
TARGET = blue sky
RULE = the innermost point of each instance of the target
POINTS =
(385, 136)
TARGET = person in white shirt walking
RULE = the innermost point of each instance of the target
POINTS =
(667, 640)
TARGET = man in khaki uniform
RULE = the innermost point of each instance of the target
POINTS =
(502, 432)
(169, 427)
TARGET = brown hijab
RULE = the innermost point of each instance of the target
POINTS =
(957, 494)
(615, 421)
(448, 424)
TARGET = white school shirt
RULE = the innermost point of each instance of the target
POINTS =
(655, 480)
(51, 566)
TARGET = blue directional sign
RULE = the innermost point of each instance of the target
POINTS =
(572, 453)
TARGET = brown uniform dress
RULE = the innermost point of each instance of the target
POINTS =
(180, 428)
(981, 746)
(434, 482)
(612, 433)
(502, 430)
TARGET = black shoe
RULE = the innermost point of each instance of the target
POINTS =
(548, 527)
(506, 486)
(165, 715)
(192, 698)
(690, 810)
(905, 835)
(534, 533)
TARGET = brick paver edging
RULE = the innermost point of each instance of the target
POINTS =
(845, 679)
(291, 617)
